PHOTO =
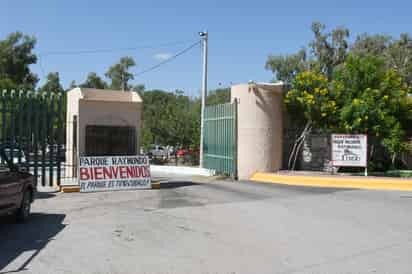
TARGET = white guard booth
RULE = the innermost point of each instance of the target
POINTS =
(101, 123)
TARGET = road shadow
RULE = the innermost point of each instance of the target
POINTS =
(32, 236)
(176, 184)
(44, 195)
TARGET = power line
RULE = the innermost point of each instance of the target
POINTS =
(168, 59)
(93, 51)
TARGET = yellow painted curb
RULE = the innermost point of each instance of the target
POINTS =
(69, 189)
(335, 182)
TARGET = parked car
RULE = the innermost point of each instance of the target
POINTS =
(62, 154)
(183, 152)
(17, 189)
(17, 153)
(158, 151)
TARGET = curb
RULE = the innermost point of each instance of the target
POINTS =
(69, 189)
(334, 182)
(155, 185)
(73, 189)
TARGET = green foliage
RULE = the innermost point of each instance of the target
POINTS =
(285, 68)
(375, 100)
(52, 84)
(119, 73)
(72, 85)
(94, 81)
(218, 96)
(16, 56)
(366, 44)
(139, 88)
(398, 56)
(170, 119)
(329, 49)
(364, 97)
(312, 100)
(368, 81)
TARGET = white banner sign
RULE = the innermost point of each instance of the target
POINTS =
(114, 173)
(349, 150)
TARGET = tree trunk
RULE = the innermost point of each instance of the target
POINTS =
(293, 156)
(393, 160)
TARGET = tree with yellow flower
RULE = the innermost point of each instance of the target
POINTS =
(374, 102)
(311, 103)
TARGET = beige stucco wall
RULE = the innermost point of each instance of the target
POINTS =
(260, 128)
(99, 107)
(107, 114)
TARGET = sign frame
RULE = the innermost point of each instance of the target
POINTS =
(349, 165)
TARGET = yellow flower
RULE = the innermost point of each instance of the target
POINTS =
(323, 114)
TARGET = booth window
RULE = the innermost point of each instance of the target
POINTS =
(110, 140)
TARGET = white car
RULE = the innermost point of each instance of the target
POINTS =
(160, 152)
(16, 154)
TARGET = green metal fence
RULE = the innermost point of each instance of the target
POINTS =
(220, 138)
(32, 127)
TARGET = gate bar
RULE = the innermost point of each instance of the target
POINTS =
(51, 138)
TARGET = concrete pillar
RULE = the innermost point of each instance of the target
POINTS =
(260, 127)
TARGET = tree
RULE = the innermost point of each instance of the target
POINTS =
(399, 57)
(170, 119)
(286, 67)
(313, 104)
(139, 88)
(52, 84)
(218, 96)
(119, 73)
(72, 85)
(329, 49)
(94, 81)
(366, 44)
(375, 101)
(16, 56)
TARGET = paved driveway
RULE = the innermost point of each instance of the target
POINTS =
(221, 227)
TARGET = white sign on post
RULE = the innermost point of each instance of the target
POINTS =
(114, 173)
(349, 150)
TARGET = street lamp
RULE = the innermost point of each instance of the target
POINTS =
(204, 36)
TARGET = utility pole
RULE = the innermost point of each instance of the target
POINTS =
(204, 36)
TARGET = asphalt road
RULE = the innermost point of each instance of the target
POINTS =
(221, 227)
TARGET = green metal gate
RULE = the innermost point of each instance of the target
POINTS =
(32, 127)
(220, 138)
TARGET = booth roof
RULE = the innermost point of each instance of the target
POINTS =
(108, 95)
(277, 87)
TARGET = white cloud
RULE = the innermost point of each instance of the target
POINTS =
(162, 56)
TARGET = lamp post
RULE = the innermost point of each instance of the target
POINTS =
(204, 36)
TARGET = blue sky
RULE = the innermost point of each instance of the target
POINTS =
(242, 34)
